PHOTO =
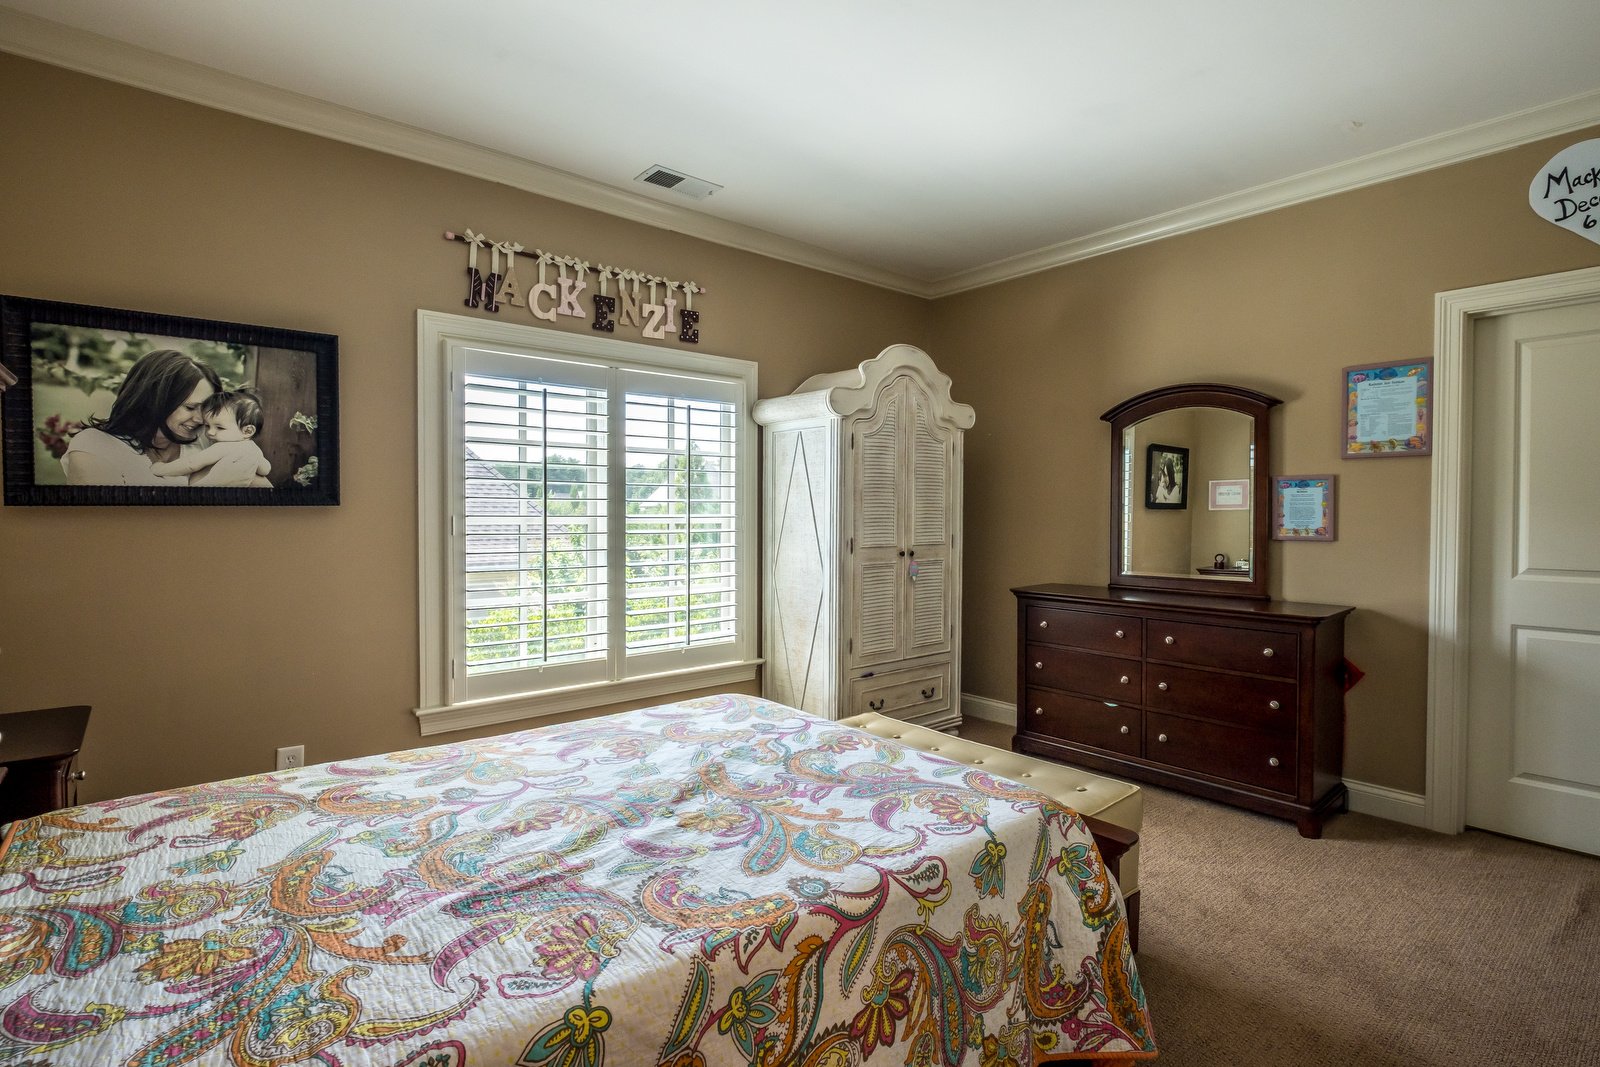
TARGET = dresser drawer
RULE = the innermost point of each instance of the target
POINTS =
(1120, 635)
(1100, 724)
(915, 692)
(1230, 752)
(1105, 677)
(1260, 703)
(1274, 652)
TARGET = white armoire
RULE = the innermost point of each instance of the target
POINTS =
(861, 567)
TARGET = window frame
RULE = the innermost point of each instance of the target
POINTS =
(441, 338)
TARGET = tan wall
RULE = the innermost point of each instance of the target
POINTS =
(116, 197)
(206, 638)
(1280, 303)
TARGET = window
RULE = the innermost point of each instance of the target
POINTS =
(586, 512)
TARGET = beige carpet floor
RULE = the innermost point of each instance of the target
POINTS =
(1380, 944)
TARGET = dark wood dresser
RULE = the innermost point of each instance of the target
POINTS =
(1241, 701)
(36, 753)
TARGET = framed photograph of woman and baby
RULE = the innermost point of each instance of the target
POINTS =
(131, 407)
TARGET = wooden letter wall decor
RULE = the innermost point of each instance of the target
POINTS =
(548, 300)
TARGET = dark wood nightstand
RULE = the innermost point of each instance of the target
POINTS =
(36, 753)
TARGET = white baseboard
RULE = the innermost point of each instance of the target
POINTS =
(988, 709)
(1386, 803)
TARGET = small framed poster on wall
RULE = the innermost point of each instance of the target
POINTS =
(1388, 409)
(1303, 507)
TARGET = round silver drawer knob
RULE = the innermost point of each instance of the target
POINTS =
(1124, 679)
(1161, 737)
(1266, 652)
(1038, 711)
(1274, 705)
(78, 776)
(1273, 762)
(1169, 640)
(1038, 665)
(1121, 634)
(1044, 624)
(1161, 685)
(1124, 729)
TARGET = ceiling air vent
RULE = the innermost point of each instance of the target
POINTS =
(682, 184)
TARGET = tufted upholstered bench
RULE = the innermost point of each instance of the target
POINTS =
(1106, 803)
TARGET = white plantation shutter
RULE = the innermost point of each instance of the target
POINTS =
(595, 513)
(534, 475)
(681, 527)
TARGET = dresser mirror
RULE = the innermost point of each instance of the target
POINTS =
(1189, 490)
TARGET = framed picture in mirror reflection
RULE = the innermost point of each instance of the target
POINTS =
(1166, 477)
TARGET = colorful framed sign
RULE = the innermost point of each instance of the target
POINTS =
(1303, 507)
(1388, 409)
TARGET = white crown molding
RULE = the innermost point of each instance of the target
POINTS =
(102, 57)
(88, 53)
(1429, 153)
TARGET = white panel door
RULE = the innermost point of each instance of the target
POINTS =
(1533, 718)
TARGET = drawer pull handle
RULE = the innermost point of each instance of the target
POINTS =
(1162, 686)
(1161, 737)
(1266, 652)
(927, 694)
(1124, 679)
(1044, 624)
(1124, 729)
(1274, 705)
(1169, 639)
(78, 776)
(1111, 703)
(875, 705)
(1273, 762)
(1038, 665)
(1121, 634)
(1038, 711)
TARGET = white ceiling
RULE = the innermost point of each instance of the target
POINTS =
(926, 145)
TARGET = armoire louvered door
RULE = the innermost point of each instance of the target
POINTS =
(901, 544)
(862, 510)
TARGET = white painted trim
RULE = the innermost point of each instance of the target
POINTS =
(988, 709)
(1428, 153)
(491, 712)
(437, 333)
(62, 46)
(1449, 592)
(102, 57)
(1385, 803)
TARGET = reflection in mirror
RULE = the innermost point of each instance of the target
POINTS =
(1205, 458)
(1198, 525)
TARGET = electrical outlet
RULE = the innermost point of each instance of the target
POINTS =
(291, 757)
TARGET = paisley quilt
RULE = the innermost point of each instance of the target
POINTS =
(718, 881)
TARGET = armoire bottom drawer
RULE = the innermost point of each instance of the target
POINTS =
(1264, 760)
(1082, 721)
(913, 692)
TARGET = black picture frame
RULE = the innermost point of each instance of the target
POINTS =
(1175, 498)
(71, 362)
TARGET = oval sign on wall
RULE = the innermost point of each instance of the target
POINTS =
(1566, 191)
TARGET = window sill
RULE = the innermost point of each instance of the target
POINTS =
(473, 713)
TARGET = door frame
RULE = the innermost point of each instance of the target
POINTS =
(1449, 581)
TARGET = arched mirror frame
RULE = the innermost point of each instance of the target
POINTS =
(1202, 395)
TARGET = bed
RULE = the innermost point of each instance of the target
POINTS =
(719, 881)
